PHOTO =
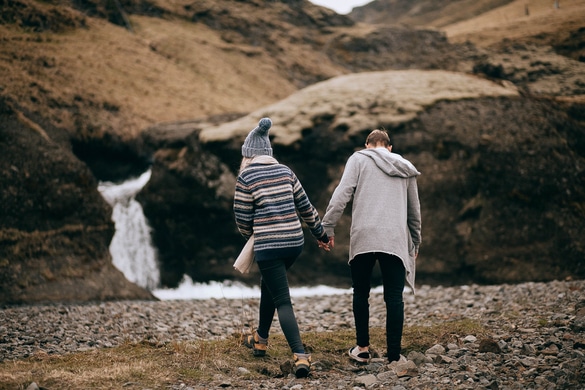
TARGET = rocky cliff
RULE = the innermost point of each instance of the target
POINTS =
(55, 228)
(100, 90)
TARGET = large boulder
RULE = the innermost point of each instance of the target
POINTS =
(501, 186)
(55, 228)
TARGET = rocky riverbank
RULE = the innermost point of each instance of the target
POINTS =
(537, 335)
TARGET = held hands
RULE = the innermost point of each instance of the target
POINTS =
(324, 246)
(327, 246)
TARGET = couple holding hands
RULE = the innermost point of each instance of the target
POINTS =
(385, 228)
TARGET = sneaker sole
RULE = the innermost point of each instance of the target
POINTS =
(258, 352)
(302, 371)
(356, 358)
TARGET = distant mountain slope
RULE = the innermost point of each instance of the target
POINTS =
(536, 21)
(428, 13)
(560, 24)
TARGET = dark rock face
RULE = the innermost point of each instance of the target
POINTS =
(188, 202)
(55, 228)
(573, 45)
(394, 48)
(536, 70)
(57, 19)
(502, 191)
(110, 158)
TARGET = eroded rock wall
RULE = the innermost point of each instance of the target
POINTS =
(55, 228)
(501, 186)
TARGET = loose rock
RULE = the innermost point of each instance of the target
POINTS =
(535, 341)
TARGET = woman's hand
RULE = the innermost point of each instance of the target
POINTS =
(323, 245)
(327, 246)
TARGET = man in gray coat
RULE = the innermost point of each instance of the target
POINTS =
(386, 227)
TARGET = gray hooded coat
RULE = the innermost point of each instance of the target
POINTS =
(386, 210)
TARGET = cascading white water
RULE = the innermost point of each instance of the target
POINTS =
(131, 248)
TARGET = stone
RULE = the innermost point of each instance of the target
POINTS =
(366, 380)
(404, 369)
(436, 349)
(489, 345)
(418, 358)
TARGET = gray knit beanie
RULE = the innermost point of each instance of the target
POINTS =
(257, 142)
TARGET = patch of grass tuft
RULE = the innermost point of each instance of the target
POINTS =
(160, 365)
(420, 338)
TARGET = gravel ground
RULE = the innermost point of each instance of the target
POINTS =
(537, 335)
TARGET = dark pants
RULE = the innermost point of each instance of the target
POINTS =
(275, 295)
(393, 274)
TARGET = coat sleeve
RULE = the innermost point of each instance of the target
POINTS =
(413, 213)
(341, 196)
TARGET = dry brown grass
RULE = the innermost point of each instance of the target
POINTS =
(511, 22)
(166, 70)
(152, 365)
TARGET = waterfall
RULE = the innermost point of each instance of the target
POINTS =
(131, 247)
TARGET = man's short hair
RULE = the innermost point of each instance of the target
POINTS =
(378, 137)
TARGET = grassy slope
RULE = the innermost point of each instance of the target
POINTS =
(123, 82)
(511, 22)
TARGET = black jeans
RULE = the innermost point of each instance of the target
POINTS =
(275, 295)
(393, 274)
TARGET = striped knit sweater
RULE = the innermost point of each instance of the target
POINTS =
(267, 198)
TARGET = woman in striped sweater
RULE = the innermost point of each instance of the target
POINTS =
(267, 198)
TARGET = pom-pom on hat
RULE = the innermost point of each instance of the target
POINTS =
(257, 142)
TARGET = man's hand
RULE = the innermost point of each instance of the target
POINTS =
(331, 242)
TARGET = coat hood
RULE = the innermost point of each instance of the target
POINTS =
(391, 164)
